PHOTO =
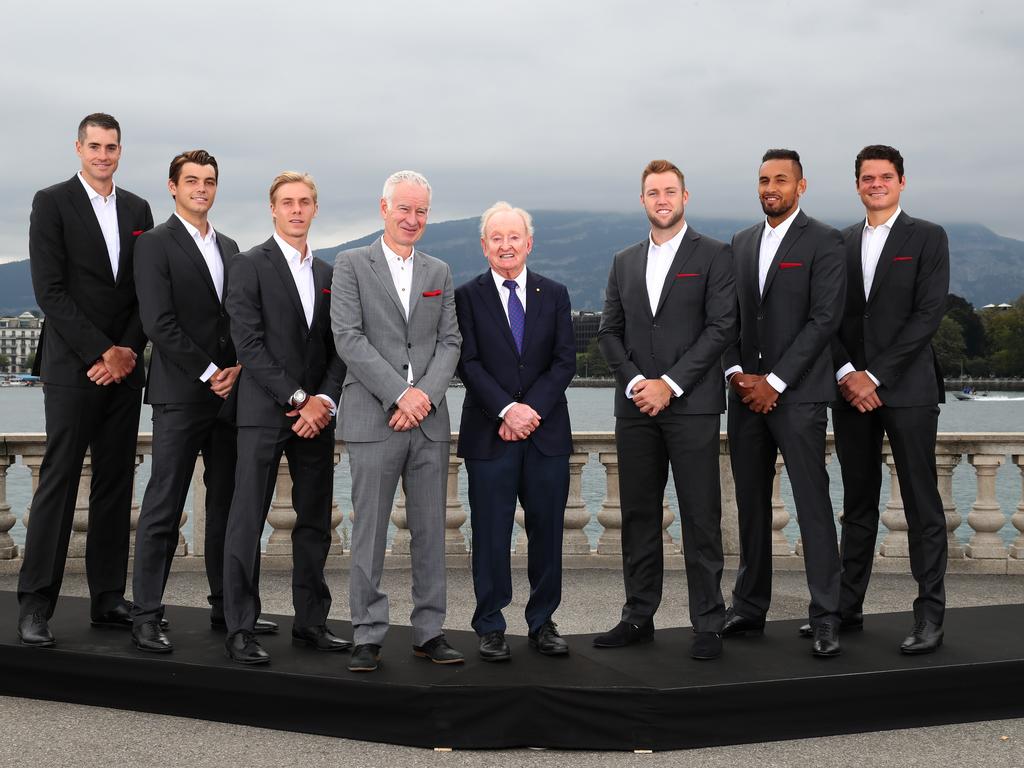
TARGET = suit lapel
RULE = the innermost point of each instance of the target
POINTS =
(492, 300)
(536, 296)
(795, 232)
(191, 250)
(80, 200)
(225, 259)
(284, 272)
(897, 237)
(854, 265)
(322, 275)
(418, 282)
(380, 267)
(125, 236)
(687, 247)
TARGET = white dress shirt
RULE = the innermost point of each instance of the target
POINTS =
(659, 261)
(401, 275)
(106, 214)
(503, 292)
(210, 251)
(301, 267)
(871, 244)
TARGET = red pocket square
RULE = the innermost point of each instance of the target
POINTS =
(904, 258)
(326, 290)
(429, 294)
(790, 264)
(688, 274)
(137, 232)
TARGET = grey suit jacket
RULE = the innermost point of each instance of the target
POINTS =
(378, 344)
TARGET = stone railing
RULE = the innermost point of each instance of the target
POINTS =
(986, 549)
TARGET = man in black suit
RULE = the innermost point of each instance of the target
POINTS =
(279, 300)
(791, 285)
(180, 270)
(518, 357)
(897, 280)
(669, 313)
(82, 234)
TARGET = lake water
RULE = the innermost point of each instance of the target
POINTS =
(21, 410)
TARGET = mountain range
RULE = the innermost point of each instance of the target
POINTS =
(576, 248)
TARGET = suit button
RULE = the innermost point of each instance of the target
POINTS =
(222, 315)
(409, 346)
(521, 366)
(867, 315)
(405, 367)
(222, 340)
(760, 317)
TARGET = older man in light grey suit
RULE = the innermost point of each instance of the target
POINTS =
(393, 316)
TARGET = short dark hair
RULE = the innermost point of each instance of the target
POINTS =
(785, 154)
(197, 156)
(661, 166)
(99, 120)
(879, 152)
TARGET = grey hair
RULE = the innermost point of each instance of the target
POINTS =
(398, 177)
(502, 207)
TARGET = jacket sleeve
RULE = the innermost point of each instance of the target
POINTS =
(134, 335)
(484, 388)
(441, 367)
(549, 388)
(611, 333)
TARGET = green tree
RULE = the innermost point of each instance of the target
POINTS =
(5, 362)
(1004, 336)
(962, 311)
(949, 346)
(591, 364)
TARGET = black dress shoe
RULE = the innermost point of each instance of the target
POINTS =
(33, 629)
(261, 627)
(706, 646)
(365, 658)
(438, 651)
(119, 617)
(149, 637)
(852, 623)
(243, 648)
(547, 641)
(493, 647)
(320, 638)
(826, 640)
(624, 633)
(925, 637)
(739, 626)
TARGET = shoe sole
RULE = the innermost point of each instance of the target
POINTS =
(638, 641)
(706, 657)
(548, 653)
(912, 652)
(152, 650)
(302, 642)
(44, 644)
(253, 663)
(424, 655)
(829, 655)
(374, 668)
(506, 657)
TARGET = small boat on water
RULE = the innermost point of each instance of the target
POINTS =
(984, 397)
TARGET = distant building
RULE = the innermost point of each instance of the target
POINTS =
(19, 337)
(584, 328)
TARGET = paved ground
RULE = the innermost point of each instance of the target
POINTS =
(37, 733)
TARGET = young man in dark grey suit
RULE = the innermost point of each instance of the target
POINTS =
(81, 240)
(669, 313)
(180, 276)
(791, 286)
(890, 382)
(279, 300)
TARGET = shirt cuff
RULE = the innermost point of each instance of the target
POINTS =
(331, 403)
(632, 383)
(676, 389)
(776, 383)
(210, 370)
(402, 395)
(730, 371)
(503, 411)
(846, 369)
(872, 377)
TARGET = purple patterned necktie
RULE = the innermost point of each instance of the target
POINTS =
(516, 314)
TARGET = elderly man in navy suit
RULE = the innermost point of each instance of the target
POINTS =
(518, 357)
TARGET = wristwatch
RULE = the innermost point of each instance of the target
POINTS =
(298, 399)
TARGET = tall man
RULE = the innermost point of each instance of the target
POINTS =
(393, 314)
(180, 270)
(279, 299)
(669, 313)
(518, 357)
(791, 284)
(82, 234)
(890, 382)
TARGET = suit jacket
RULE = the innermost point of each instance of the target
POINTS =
(788, 330)
(87, 310)
(181, 312)
(695, 321)
(496, 374)
(378, 344)
(890, 332)
(278, 352)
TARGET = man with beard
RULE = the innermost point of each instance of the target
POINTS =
(669, 314)
(791, 285)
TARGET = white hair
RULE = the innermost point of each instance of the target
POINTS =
(502, 207)
(398, 177)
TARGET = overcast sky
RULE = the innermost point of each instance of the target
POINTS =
(554, 105)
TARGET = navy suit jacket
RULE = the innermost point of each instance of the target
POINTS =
(495, 374)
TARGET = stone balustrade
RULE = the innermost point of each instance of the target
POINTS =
(992, 542)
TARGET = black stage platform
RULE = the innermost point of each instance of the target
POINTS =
(646, 697)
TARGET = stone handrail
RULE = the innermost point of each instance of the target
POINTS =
(985, 551)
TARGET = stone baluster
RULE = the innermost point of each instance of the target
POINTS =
(574, 540)
(610, 514)
(454, 513)
(986, 517)
(1017, 548)
(730, 512)
(401, 541)
(339, 537)
(33, 462)
(136, 510)
(198, 510)
(281, 516)
(780, 515)
(894, 518)
(668, 543)
(8, 549)
(80, 524)
(522, 543)
(945, 463)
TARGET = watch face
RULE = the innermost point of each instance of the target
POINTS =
(299, 397)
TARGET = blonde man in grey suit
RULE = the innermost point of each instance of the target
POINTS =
(393, 316)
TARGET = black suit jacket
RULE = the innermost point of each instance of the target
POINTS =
(278, 353)
(495, 374)
(181, 312)
(87, 311)
(890, 332)
(787, 331)
(685, 338)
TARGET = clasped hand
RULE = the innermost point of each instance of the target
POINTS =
(223, 380)
(313, 417)
(755, 391)
(859, 390)
(113, 367)
(410, 410)
(651, 396)
(518, 423)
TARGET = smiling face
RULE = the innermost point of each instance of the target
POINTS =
(879, 186)
(194, 191)
(506, 243)
(779, 186)
(100, 152)
(405, 217)
(664, 198)
(293, 209)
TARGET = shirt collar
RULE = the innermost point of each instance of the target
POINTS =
(671, 245)
(499, 281)
(196, 234)
(291, 254)
(783, 227)
(888, 224)
(92, 193)
(391, 255)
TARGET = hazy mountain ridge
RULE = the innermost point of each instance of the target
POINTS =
(576, 248)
